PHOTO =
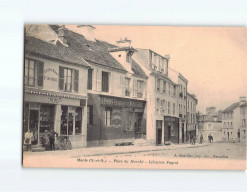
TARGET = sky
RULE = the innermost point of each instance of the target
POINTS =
(212, 59)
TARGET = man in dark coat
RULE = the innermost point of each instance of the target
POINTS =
(52, 139)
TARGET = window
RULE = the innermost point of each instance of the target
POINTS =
(90, 79)
(34, 73)
(158, 85)
(243, 123)
(162, 65)
(140, 89)
(164, 106)
(157, 105)
(164, 86)
(231, 124)
(128, 57)
(174, 90)
(108, 116)
(174, 108)
(90, 115)
(68, 79)
(169, 111)
(224, 124)
(127, 86)
(209, 126)
(105, 81)
(71, 120)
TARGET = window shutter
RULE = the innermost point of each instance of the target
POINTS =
(40, 73)
(99, 80)
(76, 78)
(112, 82)
(61, 78)
(122, 80)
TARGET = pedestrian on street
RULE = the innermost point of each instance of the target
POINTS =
(201, 138)
(28, 139)
(52, 139)
(194, 140)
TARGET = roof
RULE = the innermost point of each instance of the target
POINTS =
(137, 69)
(162, 76)
(244, 104)
(91, 51)
(231, 107)
(210, 117)
(58, 51)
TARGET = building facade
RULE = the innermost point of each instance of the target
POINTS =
(162, 113)
(191, 116)
(210, 124)
(182, 84)
(55, 92)
(233, 121)
(243, 119)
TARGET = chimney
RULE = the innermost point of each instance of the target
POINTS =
(62, 34)
(87, 31)
(167, 56)
(124, 42)
(242, 99)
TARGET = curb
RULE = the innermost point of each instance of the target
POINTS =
(138, 151)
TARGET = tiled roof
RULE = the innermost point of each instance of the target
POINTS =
(137, 69)
(92, 51)
(232, 107)
(58, 51)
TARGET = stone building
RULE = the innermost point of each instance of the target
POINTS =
(210, 124)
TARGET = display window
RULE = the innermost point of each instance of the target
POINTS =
(71, 120)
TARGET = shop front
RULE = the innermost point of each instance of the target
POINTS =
(45, 110)
(171, 129)
(115, 120)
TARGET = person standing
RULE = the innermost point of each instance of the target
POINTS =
(194, 140)
(28, 139)
(201, 138)
(52, 139)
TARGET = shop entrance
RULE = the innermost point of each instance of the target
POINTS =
(33, 125)
(138, 121)
(158, 132)
(182, 132)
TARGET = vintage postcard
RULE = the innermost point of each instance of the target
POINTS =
(136, 97)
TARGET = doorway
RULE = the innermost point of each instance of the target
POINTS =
(33, 125)
(158, 132)
(182, 132)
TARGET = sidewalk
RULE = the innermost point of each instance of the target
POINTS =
(112, 150)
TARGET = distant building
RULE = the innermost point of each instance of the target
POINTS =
(210, 123)
(243, 119)
(233, 123)
(191, 115)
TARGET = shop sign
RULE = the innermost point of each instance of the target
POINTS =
(54, 99)
(51, 78)
(110, 101)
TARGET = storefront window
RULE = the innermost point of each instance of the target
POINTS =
(71, 120)
(78, 120)
(108, 116)
(46, 117)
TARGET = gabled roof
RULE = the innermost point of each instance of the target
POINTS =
(49, 50)
(231, 107)
(137, 69)
(92, 51)
(211, 117)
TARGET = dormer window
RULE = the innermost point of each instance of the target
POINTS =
(128, 57)
(89, 47)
